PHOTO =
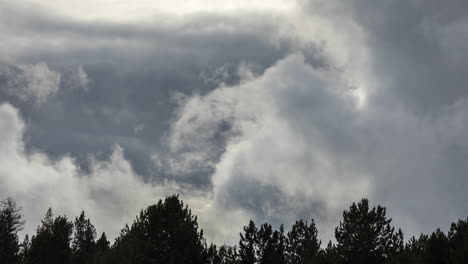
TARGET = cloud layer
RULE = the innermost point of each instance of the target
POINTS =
(272, 113)
(111, 190)
(31, 83)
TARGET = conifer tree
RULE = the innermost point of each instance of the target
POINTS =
(326, 255)
(458, 239)
(84, 244)
(303, 243)
(166, 232)
(274, 251)
(437, 249)
(228, 255)
(212, 255)
(10, 224)
(102, 244)
(248, 244)
(365, 235)
(51, 244)
(25, 249)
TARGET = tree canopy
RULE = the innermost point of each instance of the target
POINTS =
(167, 232)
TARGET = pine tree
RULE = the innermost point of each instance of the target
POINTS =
(102, 250)
(163, 233)
(264, 241)
(326, 255)
(83, 244)
(10, 224)
(365, 235)
(212, 255)
(303, 243)
(437, 249)
(102, 244)
(51, 244)
(228, 255)
(248, 244)
(25, 249)
(274, 251)
(458, 239)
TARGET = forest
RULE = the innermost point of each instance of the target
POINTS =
(167, 232)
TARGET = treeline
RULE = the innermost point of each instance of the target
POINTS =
(168, 233)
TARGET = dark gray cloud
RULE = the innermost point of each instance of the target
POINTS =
(270, 116)
(412, 45)
(133, 70)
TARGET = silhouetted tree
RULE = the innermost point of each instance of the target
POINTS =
(263, 245)
(326, 255)
(102, 249)
(212, 255)
(228, 255)
(83, 245)
(163, 233)
(413, 252)
(303, 243)
(168, 233)
(264, 237)
(51, 244)
(365, 235)
(10, 224)
(25, 249)
(248, 244)
(274, 250)
(437, 249)
(102, 244)
(458, 239)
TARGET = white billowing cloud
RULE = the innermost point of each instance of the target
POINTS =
(111, 193)
(32, 82)
(296, 143)
(276, 142)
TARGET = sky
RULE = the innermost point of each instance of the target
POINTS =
(265, 110)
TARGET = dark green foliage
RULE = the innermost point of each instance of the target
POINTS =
(415, 250)
(168, 233)
(228, 255)
(51, 244)
(101, 250)
(10, 224)
(263, 245)
(264, 239)
(25, 249)
(365, 235)
(84, 245)
(212, 255)
(326, 255)
(274, 248)
(437, 249)
(248, 244)
(303, 243)
(102, 244)
(458, 239)
(163, 233)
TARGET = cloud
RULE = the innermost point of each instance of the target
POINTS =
(144, 9)
(296, 143)
(270, 113)
(111, 193)
(31, 82)
(277, 154)
(78, 79)
(134, 68)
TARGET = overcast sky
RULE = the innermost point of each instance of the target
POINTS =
(266, 110)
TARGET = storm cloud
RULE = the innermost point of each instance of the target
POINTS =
(271, 113)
